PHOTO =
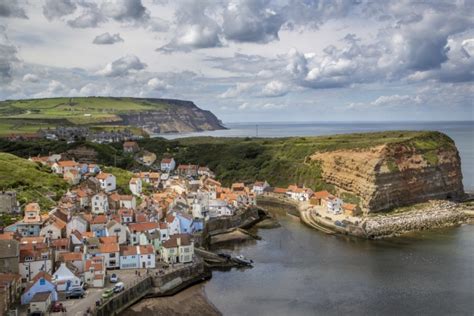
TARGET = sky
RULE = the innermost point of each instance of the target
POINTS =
(244, 60)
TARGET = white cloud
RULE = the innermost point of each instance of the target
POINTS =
(275, 88)
(107, 39)
(236, 91)
(158, 84)
(30, 78)
(123, 66)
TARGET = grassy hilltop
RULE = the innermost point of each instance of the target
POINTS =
(29, 115)
(281, 161)
(32, 182)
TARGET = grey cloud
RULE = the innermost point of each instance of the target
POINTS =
(125, 10)
(8, 57)
(91, 16)
(30, 78)
(11, 9)
(123, 66)
(53, 9)
(251, 21)
(107, 39)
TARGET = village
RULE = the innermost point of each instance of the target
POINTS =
(97, 241)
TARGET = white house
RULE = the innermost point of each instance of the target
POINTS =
(107, 181)
(139, 230)
(333, 204)
(136, 257)
(178, 249)
(116, 229)
(73, 258)
(219, 208)
(259, 187)
(53, 230)
(135, 185)
(128, 201)
(167, 164)
(94, 271)
(61, 167)
(173, 224)
(100, 203)
(299, 194)
(76, 223)
(34, 261)
(65, 278)
(111, 254)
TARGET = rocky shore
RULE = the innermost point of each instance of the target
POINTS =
(435, 214)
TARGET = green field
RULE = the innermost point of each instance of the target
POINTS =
(26, 116)
(33, 183)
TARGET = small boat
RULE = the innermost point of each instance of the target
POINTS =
(243, 260)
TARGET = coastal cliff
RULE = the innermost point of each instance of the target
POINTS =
(395, 174)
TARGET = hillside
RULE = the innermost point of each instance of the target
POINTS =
(378, 171)
(152, 115)
(32, 182)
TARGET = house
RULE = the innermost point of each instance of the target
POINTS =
(126, 215)
(185, 223)
(9, 256)
(66, 277)
(135, 186)
(94, 272)
(60, 246)
(188, 170)
(35, 260)
(11, 283)
(98, 225)
(111, 254)
(136, 257)
(173, 224)
(32, 221)
(167, 164)
(178, 249)
(72, 176)
(138, 232)
(127, 201)
(218, 208)
(205, 171)
(351, 209)
(8, 202)
(130, 147)
(62, 167)
(41, 282)
(73, 258)
(259, 187)
(116, 229)
(54, 229)
(107, 181)
(40, 303)
(299, 194)
(100, 203)
(78, 223)
(83, 198)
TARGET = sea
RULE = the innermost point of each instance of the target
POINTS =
(300, 271)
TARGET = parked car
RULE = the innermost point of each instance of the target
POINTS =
(114, 278)
(119, 287)
(108, 293)
(57, 307)
(77, 292)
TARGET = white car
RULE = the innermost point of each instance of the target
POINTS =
(114, 278)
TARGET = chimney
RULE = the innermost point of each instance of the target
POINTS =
(178, 241)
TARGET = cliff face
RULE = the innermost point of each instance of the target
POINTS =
(178, 117)
(395, 174)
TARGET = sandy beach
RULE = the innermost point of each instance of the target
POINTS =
(191, 301)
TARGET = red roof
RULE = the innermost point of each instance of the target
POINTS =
(142, 227)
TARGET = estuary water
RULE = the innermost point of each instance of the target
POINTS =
(299, 271)
(461, 132)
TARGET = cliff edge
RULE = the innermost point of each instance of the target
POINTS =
(415, 170)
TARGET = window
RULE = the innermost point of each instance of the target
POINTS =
(112, 255)
(29, 258)
(149, 256)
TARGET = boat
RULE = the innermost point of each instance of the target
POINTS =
(241, 259)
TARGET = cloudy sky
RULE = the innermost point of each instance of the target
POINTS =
(260, 60)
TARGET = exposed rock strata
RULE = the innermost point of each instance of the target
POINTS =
(394, 175)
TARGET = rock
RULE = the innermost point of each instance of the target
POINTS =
(268, 223)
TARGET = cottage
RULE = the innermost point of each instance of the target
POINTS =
(98, 225)
(54, 229)
(351, 209)
(64, 166)
(167, 164)
(127, 201)
(135, 186)
(138, 232)
(41, 282)
(78, 223)
(173, 224)
(126, 215)
(94, 272)
(118, 230)
(107, 181)
(33, 261)
(66, 277)
(111, 254)
(188, 170)
(185, 223)
(259, 187)
(40, 303)
(136, 257)
(32, 221)
(178, 249)
(73, 258)
(72, 176)
(100, 203)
